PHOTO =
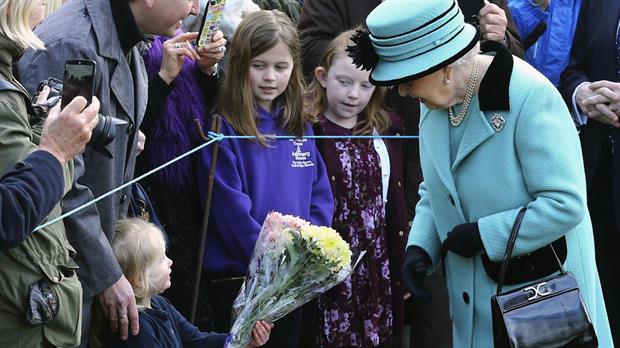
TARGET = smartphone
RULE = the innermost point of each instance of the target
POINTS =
(211, 21)
(78, 80)
(470, 9)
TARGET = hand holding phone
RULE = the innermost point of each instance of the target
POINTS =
(212, 53)
(78, 81)
(211, 21)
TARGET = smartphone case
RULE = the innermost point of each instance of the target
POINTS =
(211, 21)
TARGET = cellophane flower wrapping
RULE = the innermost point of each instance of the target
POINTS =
(293, 262)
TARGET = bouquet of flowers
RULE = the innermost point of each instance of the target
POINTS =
(293, 262)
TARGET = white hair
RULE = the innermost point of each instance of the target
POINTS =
(467, 58)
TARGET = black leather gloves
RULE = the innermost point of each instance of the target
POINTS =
(464, 240)
(413, 272)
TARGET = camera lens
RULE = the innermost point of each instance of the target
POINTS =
(104, 133)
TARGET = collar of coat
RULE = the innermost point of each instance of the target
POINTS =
(126, 26)
(493, 92)
(107, 25)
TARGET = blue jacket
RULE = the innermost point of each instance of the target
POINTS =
(28, 192)
(550, 53)
(252, 180)
(532, 159)
(162, 326)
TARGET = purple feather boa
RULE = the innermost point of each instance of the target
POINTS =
(174, 133)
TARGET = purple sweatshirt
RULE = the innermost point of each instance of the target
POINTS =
(252, 180)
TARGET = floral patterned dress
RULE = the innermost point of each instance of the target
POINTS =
(358, 312)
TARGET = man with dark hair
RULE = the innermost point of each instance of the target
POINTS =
(111, 33)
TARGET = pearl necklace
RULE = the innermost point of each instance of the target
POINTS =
(456, 121)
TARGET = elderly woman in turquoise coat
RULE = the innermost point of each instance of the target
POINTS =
(495, 137)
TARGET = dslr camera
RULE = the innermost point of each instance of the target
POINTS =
(103, 133)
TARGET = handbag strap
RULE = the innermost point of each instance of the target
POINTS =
(508, 254)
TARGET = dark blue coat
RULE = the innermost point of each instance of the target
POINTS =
(28, 192)
(592, 59)
(163, 326)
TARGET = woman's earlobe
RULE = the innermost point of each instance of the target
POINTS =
(447, 75)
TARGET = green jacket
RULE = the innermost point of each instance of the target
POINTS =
(45, 254)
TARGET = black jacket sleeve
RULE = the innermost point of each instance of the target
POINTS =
(28, 193)
(158, 92)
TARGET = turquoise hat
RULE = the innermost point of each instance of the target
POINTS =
(414, 38)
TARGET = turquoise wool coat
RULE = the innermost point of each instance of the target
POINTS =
(534, 161)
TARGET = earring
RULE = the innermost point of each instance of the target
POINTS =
(446, 81)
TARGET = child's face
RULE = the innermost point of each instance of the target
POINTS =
(270, 73)
(159, 271)
(347, 88)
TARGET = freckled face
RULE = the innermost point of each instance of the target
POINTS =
(348, 91)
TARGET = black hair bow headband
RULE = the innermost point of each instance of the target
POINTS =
(362, 52)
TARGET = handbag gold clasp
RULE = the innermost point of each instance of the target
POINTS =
(540, 290)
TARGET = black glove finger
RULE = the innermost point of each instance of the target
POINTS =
(414, 283)
(413, 272)
(415, 286)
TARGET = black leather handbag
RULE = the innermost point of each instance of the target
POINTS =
(547, 313)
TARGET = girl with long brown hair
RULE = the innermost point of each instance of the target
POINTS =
(261, 96)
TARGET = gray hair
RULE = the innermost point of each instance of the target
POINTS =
(467, 58)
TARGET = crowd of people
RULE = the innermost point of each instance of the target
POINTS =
(517, 106)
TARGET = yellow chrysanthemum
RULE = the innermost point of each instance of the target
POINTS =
(326, 242)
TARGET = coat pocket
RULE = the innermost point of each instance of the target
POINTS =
(65, 329)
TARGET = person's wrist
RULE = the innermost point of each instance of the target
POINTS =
(579, 93)
(166, 77)
(210, 71)
(418, 254)
(59, 155)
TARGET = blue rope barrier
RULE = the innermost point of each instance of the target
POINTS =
(107, 194)
(214, 137)
(214, 134)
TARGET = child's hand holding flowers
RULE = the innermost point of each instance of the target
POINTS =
(260, 334)
(293, 262)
